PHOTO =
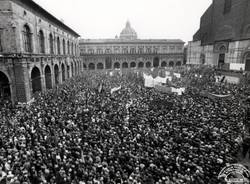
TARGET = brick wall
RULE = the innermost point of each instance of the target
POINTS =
(216, 25)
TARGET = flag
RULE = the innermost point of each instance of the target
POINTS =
(149, 81)
(167, 73)
(179, 91)
(178, 75)
(214, 96)
(115, 89)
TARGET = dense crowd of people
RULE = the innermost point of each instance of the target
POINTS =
(81, 133)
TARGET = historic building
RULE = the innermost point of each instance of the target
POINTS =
(128, 51)
(37, 51)
(224, 35)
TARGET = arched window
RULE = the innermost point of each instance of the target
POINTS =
(27, 39)
(64, 50)
(41, 42)
(58, 46)
(51, 44)
(223, 49)
(72, 49)
(68, 47)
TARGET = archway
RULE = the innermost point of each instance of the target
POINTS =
(163, 64)
(75, 65)
(100, 66)
(148, 64)
(140, 65)
(91, 66)
(156, 62)
(56, 72)
(125, 65)
(247, 62)
(117, 65)
(108, 63)
(178, 63)
(202, 59)
(48, 82)
(132, 65)
(5, 92)
(68, 71)
(171, 64)
(72, 69)
(221, 61)
(63, 72)
(84, 67)
(36, 80)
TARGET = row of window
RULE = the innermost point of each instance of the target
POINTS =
(117, 65)
(28, 47)
(126, 50)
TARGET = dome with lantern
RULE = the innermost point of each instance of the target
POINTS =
(128, 33)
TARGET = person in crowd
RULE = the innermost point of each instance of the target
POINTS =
(78, 133)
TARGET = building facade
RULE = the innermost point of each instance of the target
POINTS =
(37, 51)
(128, 51)
(224, 35)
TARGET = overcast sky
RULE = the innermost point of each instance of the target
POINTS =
(166, 19)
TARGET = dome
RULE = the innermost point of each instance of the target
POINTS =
(128, 33)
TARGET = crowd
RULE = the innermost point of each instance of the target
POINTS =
(81, 133)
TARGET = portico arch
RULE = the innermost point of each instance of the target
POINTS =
(125, 65)
(163, 64)
(100, 66)
(132, 65)
(72, 69)
(91, 66)
(5, 92)
(171, 64)
(247, 61)
(48, 82)
(148, 64)
(63, 72)
(140, 65)
(36, 80)
(117, 65)
(178, 63)
(156, 62)
(56, 72)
